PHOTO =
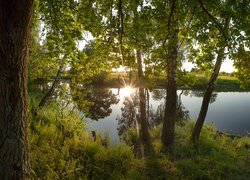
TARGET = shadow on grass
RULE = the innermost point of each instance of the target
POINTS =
(214, 157)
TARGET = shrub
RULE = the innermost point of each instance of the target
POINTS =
(61, 148)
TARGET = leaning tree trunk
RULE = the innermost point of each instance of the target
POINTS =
(208, 94)
(15, 26)
(52, 89)
(170, 109)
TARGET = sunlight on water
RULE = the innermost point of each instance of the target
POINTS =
(127, 91)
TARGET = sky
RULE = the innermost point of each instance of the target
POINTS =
(227, 66)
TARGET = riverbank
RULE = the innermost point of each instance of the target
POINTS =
(61, 148)
(191, 81)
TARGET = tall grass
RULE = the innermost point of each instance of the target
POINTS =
(61, 148)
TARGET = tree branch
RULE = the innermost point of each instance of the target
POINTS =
(172, 8)
(213, 18)
(121, 28)
(187, 27)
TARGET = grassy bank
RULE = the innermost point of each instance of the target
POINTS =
(61, 148)
(193, 81)
(199, 82)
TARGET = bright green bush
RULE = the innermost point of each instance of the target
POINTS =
(61, 148)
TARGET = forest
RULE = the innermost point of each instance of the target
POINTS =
(99, 89)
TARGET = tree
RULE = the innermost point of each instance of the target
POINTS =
(241, 54)
(242, 64)
(132, 34)
(40, 64)
(61, 29)
(15, 25)
(171, 21)
(214, 39)
(144, 135)
(171, 61)
(208, 93)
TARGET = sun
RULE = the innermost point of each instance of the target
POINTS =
(126, 91)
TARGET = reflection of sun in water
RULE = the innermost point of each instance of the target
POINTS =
(127, 91)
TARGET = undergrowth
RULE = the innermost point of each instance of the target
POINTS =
(61, 148)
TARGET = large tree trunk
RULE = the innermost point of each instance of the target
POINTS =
(170, 109)
(208, 94)
(15, 22)
(143, 116)
(142, 98)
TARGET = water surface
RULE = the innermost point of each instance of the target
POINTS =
(228, 111)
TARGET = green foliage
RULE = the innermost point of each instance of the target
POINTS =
(201, 83)
(215, 156)
(242, 63)
(99, 79)
(131, 137)
(227, 84)
(41, 64)
(62, 148)
(185, 79)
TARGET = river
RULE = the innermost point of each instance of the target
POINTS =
(112, 110)
(228, 111)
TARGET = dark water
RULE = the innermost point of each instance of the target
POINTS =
(228, 111)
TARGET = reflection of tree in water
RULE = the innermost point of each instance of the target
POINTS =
(156, 117)
(182, 113)
(200, 94)
(134, 115)
(94, 102)
(129, 116)
(130, 112)
(158, 94)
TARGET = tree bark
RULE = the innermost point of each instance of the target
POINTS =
(208, 94)
(142, 98)
(171, 99)
(15, 26)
